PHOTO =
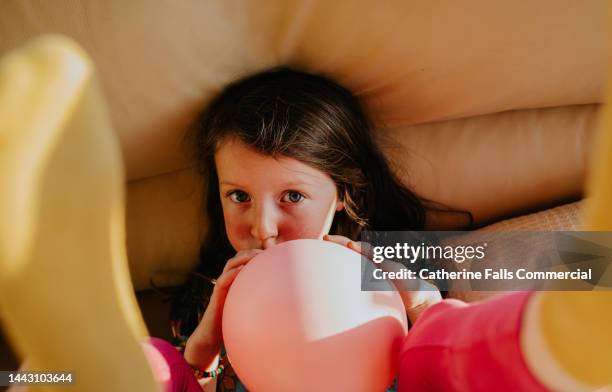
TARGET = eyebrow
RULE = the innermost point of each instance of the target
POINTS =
(285, 184)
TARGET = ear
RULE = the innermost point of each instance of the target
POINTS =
(339, 205)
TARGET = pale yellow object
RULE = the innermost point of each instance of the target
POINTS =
(66, 301)
(567, 336)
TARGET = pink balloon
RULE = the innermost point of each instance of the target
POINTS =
(295, 319)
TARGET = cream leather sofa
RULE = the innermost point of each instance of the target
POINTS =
(482, 106)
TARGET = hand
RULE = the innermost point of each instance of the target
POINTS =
(417, 295)
(203, 346)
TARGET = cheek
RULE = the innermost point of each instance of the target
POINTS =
(305, 224)
(293, 230)
(237, 229)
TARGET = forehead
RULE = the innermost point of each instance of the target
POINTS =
(236, 162)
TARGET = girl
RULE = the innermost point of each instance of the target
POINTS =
(289, 155)
(286, 155)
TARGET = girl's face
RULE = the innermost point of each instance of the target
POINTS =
(267, 201)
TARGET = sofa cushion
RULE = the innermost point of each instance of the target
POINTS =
(411, 61)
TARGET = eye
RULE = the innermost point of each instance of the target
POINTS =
(293, 197)
(239, 197)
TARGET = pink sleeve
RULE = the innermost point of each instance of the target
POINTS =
(459, 347)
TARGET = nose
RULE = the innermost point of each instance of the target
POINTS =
(264, 227)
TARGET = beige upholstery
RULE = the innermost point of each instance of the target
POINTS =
(412, 62)
(566, 217)
(495, 166)
(563, 218)
(165, 223)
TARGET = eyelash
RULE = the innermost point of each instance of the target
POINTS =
(231, 195)
(295, 192)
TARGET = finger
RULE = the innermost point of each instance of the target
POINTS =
(227, 278)
(242, 257)
(338, 239)
(362, 247)
(399, 283)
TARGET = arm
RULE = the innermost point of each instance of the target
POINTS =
(204, 344)
(417, 295)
